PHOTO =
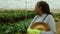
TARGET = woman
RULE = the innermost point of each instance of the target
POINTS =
(42, 9)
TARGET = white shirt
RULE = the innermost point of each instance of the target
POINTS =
(49, 19)
(40, 18)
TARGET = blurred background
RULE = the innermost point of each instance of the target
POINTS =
(16, 15)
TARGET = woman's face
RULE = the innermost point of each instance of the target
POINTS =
(38, 10)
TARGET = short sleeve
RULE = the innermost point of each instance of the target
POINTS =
(51, 23)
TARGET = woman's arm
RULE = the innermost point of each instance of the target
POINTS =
(51, 23)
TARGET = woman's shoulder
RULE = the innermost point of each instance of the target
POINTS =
(50, 16)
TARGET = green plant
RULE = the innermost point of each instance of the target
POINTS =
(13, 28)
(15, 15)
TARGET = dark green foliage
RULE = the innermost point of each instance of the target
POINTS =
(19, 27)
(15, 15)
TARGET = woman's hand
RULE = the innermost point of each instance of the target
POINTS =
(33, 31)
